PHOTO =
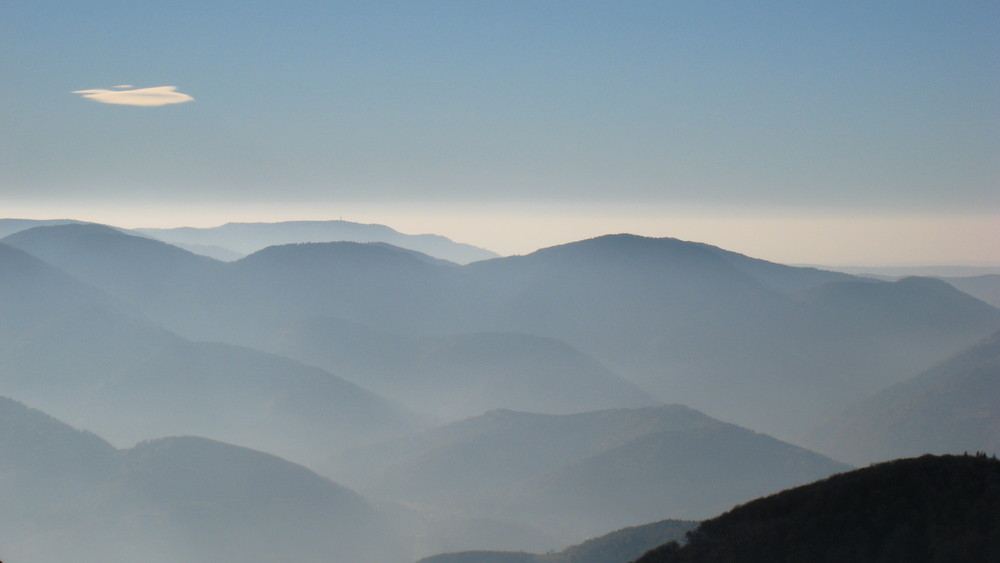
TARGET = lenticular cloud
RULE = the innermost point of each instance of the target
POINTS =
(156, 96)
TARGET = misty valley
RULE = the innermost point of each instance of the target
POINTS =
(340, 392)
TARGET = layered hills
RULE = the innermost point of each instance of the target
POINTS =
(307, 350)
(84, 356)
(768, 346)
(69, 495)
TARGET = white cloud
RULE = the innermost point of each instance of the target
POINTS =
(156, 96)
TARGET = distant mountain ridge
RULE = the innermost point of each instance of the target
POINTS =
(247, 238)
(11, 226)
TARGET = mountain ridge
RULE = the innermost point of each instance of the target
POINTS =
(248, 238)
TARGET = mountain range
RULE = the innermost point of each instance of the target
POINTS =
(515, 403)
(768, 346)
(70, 350)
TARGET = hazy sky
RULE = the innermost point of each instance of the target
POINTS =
(823, 132)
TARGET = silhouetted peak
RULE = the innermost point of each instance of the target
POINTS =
(11, 226)
(350, 252)
(625, 244)
(76, 229)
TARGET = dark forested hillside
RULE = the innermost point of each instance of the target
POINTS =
(939, 509)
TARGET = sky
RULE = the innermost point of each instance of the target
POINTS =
(850, 133)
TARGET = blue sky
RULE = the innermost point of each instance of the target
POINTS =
(716, 121)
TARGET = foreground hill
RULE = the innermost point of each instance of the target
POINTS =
(621, 546)
(953, 407)
(578, 475)
(68, 495)
(924, 509)
(248, 238)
